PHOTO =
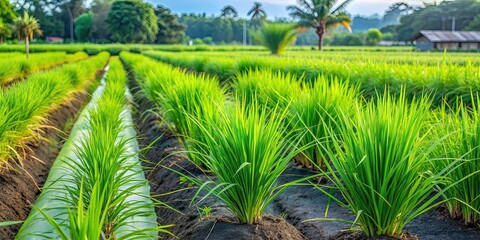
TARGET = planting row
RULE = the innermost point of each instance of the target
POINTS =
(443, 82)
(391, 159)
(25, 104)
(96, 188)
(16, 66)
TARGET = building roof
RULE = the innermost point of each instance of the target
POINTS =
(448, 36)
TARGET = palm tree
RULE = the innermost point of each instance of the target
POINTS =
(321, 15)
(4, 31)
(257, 11)
(229, 11)
(25, 27)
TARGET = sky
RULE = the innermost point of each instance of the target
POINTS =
(274, 8)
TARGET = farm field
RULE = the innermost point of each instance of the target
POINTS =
(144, 141)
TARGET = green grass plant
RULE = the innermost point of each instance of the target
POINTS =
(276, 37)
(379, 166)
(320, 112)
(461, 147)
(26, 104)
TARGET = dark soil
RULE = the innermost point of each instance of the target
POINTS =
(19, 188)
(358, 235)
(302, 203)
(297, 204)
(188, 220)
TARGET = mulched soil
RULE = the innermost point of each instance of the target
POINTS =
(20, 187)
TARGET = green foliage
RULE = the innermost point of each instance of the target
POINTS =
(132, 21)
(17, 67)
(276, 37)
(229, 12)
(433, 16)
(374, 36)
(247, 151)
(83, 27)
(257, 12)
(460, 131)
(5, 31)
(321, 15)
(25, 27)
(25, 105)
(474, 25)
(379, 166)
(169, 30)
(6, 11)
(318, 113)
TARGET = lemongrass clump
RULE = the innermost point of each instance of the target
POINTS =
(379, 166)
(460, 133)
(247, 152)
(320, 113)
(276, 37)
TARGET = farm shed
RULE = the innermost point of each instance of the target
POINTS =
(461, 40)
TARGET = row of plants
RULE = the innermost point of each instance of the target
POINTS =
(17, 66)
(440, 82)
(25, 105)
(387, 157)
(411, 58)
(97, 188)
(116, 48)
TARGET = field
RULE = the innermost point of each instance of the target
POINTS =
(230, 142)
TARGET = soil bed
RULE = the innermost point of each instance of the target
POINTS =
(188, 220)
(297, 203)
(301, 203)
(20, 188)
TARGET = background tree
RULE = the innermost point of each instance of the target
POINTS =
(4, 31)
(438, 17)
(474, 25)
(374, 36)
(132, 21)
(83, 26)
(6, 11)
(321, 15)
(229, 12)
(100, 9)
(169, 30)
(25, 27)
(257, 12)
(395, 12)
(73, 9)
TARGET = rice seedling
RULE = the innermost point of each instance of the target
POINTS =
(25, 105)
(276, 37)
(19, 67)
(247, 152)
(106, 195)
(461, 146)
(320, 112)
(379, 166)
(272, 89)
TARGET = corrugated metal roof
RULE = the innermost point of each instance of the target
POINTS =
(449, 36)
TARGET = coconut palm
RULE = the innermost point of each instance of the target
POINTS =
(321, 15)
(257, 11)
(229, 12)
(4, 31)
(25, 27)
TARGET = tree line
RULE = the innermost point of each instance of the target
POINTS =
(135, 21)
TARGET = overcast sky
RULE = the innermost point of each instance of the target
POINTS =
(274, 8)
